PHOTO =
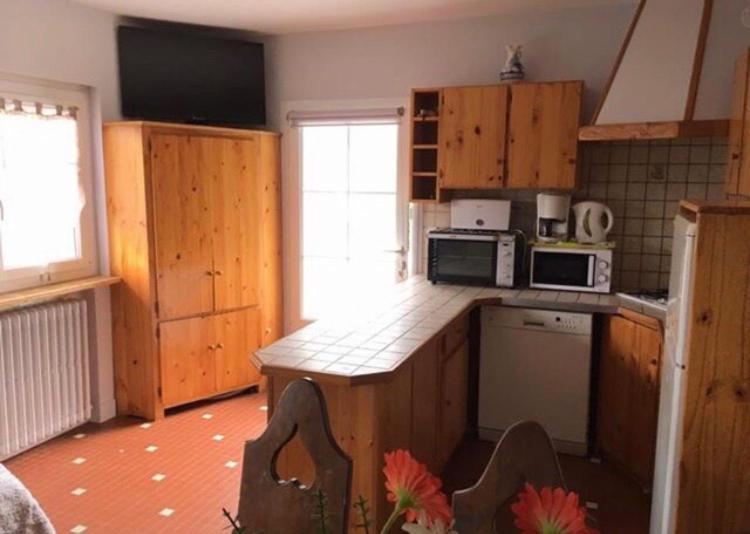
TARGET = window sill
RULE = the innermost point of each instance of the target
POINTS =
(34, 295)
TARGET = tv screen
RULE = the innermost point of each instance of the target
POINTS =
(174, 76)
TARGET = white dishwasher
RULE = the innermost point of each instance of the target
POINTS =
(535, 365)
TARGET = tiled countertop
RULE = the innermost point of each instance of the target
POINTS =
(368, 340)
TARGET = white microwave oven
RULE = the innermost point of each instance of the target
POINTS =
(571, 268)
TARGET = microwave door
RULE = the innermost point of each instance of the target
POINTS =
(463, 261)
(562, 270)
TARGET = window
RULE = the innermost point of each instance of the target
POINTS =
(46, 212)
(345, 190)
(349, 212)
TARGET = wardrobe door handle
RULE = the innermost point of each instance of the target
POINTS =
(209, 273)
(218, 272)
(212, 347)
(220, 345)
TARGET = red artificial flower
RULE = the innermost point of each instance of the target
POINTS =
(412, 488)
(549, 512)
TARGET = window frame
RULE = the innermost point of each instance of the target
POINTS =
(87, 265)
(292, 195)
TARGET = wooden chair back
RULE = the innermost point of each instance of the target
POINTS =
(524, 454)
(271, 505)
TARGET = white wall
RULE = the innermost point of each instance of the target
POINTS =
(387, 62)
(62, 41)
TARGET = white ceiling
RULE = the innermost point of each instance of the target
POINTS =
(289, 16)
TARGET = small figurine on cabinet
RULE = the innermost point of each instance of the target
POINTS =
(513, 69)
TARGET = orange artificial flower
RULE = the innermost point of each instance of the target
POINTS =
(550, 512)
(413, 489)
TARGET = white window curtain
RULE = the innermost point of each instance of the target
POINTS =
(40, 194)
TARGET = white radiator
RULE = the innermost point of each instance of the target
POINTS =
(44, 373)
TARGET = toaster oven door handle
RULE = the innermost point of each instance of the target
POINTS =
(592, 264)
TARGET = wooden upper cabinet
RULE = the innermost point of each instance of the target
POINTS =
(471, 137)
(543, 135)
(738, 164)
(235, 215)
(182, 224)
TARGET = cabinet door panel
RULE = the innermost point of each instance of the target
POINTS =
(454, 376)
(628, 399)
(737, 124)
(543, 139)
(237, 338)
(425, 405)
(472, 137)
(236, 222)
(645, 404)
(187, 360)
(182, 223)
(615, 379)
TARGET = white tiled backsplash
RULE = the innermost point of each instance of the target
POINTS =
(641, 182)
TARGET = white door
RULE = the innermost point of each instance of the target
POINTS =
(352, 214)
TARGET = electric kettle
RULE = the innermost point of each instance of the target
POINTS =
(590, 226)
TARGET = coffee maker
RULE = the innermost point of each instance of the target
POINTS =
(552, 217)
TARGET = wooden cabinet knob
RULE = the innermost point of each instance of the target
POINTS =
(218, 272)
(209, 273)
(212, 347)
(220, 345)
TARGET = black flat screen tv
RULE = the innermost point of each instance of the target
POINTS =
(183, 77)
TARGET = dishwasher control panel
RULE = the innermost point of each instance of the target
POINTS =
(533, 319)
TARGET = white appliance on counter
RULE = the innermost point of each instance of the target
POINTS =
(673, 382)
(590, 226)
(477, 249)
(552, 213)
(567, 267)
(536, 365)
(480, 214)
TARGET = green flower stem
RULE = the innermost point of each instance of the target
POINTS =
(397, 511)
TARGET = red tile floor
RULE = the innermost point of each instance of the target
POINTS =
(175, 475)
(126, 476)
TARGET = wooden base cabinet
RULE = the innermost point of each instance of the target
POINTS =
(194, 229)
(203, 356)
(453, 395)
(628, 396)
(421, 406)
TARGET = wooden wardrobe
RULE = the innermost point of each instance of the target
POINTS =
(194, 232)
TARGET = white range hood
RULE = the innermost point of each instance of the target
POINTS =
(652, 90)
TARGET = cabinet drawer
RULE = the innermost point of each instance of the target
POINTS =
(454, 334)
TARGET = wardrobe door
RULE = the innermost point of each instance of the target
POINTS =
(180, 165)
(236, 222)
(271, 283)
(237, 338)
(188, 352)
